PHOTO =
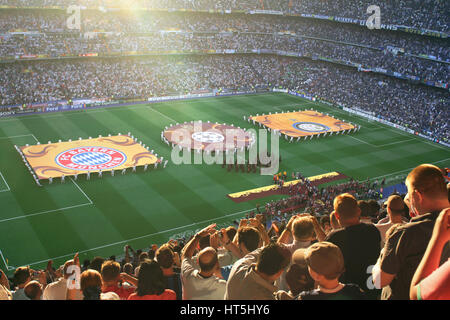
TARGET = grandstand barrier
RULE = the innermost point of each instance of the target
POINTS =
(76, 104)
(394, 125)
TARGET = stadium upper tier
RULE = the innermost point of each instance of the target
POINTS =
(423, 14)
(47, 21)
(44, 34)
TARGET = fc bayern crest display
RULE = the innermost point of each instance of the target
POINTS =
(199, 135)
(90, 158)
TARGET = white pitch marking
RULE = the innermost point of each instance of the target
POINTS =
(142, 237)
(9, 189)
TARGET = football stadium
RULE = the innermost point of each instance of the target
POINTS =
(238, 150)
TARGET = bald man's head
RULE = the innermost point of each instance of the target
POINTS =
(428, 180)
(207, 259)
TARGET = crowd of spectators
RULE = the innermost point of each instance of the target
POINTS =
(425, 14)
(58, 46)
(356, 252)
(148, 22)
(120, 34)
(317, 243)
(316, 200)
(382, 96)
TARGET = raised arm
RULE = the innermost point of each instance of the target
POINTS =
(320, 234)
(431, 258)
(73, 288)
(229, 245)
(286, 235)
(4, 280)
(189, 248)
(130, 279)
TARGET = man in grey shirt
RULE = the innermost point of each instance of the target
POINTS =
(253, 277)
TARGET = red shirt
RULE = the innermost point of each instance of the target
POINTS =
(122, 292)
(166, 295)
(436, 285)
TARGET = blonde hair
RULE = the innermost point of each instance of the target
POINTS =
(303, 228)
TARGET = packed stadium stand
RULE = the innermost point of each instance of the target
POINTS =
(158, 48)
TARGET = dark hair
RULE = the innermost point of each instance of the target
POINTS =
(143, 256)
(92, 293)
(21, 275)
(90, 284)
(151, 280)
(96, 264)
(86, 264)
(250, 237)
(128, 268)
(365, 209)
(374, 208)
(203, 242)
(298, 279)
(151, 254)
(273, 259)
(164, 255)
(231, 232)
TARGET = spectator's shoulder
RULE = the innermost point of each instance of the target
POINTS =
(187, 266)
(417, 225)
(335, 234)
(308, 295)
(422, 219)
(371, 227)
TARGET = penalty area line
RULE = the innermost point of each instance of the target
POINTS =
(45, 212)
(9, 189)
(167, 117)
(5, 263)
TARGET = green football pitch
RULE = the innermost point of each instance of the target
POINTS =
(100, 216)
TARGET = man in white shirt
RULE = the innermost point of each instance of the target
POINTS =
(5, 294)
(201, 284)
(57, 290)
